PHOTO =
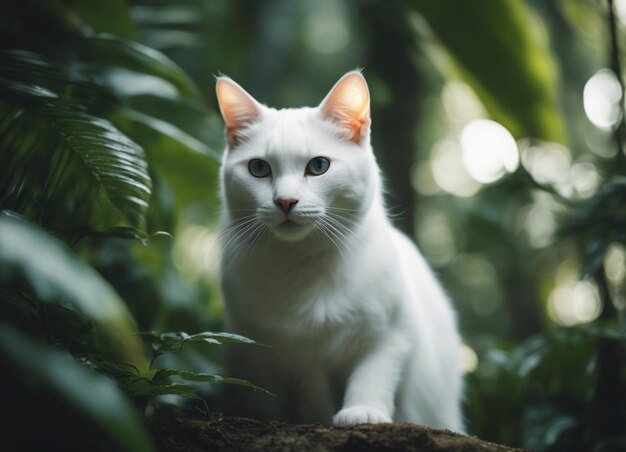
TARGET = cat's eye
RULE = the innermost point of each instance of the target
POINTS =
(259, 168)
(317, 166)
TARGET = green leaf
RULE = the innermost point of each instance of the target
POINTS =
(162, 374)
(42, 368)
(180, 389)
(56, 275)
(63, 77)
(169, 130)
(174, 341)
(65, 167)
(218, 338)
(125, 83)
(95, 83)
(107, 49)
(501, 50)
(556, 427)
(192, 117)
(23, 92)
(182, 160)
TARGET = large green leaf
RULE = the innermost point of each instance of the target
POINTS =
(28, 67)
(502, 51)
(43, 369)
(188, 165)
(109, 70)
(165, 115)
(110, 50)
(192, 117)
(64, 167)
(56, 275)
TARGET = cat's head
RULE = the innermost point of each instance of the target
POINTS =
(301, 170)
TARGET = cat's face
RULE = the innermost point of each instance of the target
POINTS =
(296, 171)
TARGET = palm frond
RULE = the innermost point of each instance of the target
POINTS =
(64, 167)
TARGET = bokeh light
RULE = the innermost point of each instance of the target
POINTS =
(601, 97)
(469, 359)
(540, 225)
(550, 164)
(600, 142)
(196, 252)
(448, 169)
(585, 179)
(574, 303)
(615, 263)
(461, 102)
(489, 150)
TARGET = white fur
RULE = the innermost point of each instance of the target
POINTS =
(360, 329)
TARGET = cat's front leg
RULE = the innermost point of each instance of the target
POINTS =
(371, 388)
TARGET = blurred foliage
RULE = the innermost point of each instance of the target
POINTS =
(598, 223)
(79, 194)
(88, 392)
(516, 76)
(547, 394)
(109, 157)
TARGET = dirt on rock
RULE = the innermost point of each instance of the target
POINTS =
(220, 433)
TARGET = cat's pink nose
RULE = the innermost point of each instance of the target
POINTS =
(286, 204)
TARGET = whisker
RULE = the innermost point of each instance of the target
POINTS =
(335, 227)
(334, 236)
(231, 232)
(240, 246)
(237, 221)
(342, 209)
(342, 218)
(391, 214)
(345, 231)
(240, 240)
(257, 237)
(323, 230)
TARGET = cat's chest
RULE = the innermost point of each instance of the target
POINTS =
(279, 290)
(305, 298)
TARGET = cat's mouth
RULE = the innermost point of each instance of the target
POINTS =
(289, 224)
(291, 230)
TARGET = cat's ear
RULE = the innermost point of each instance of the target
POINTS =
(348, 105)
(239, 109)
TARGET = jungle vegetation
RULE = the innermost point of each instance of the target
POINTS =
(500, 127)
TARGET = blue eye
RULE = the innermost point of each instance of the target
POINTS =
(259, 168)
(317, 166)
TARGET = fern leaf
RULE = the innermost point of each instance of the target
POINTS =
(64, 167)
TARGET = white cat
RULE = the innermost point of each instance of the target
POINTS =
(359, 326)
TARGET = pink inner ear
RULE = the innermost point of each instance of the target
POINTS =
(238, 108)
(348, 104)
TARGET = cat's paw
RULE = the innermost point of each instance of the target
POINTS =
(360, 414)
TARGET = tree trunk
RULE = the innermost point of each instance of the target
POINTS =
(389, 59)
